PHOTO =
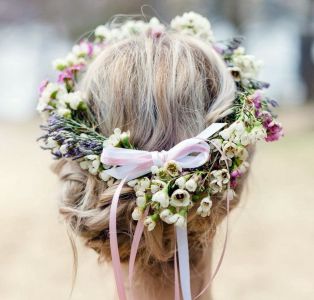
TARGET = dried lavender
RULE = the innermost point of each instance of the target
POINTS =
(67, 138)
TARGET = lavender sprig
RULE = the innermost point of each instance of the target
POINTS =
(67, 138)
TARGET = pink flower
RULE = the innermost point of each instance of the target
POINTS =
(90, 48)
(156, 33)
(274, 132)
(42, 86)
(65, 75)
(235, 174)
(256, 98)
(68, 74)
(273, 129)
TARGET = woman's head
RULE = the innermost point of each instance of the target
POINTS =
(160, 86)
(163, 90)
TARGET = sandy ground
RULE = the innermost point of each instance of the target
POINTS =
(270, 251)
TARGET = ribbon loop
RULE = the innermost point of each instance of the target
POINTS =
(190, 153)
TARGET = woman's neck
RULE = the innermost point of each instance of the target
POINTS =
(156, 287)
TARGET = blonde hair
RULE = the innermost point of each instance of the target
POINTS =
(163, 90)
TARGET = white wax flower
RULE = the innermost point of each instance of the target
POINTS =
(115, 138)
(73, 99)
(141, 201)
(150, 223)
(180, 182)
(63, 111)
(203, 211)
(166, 215)
(59, 64)
(81, 50)
(133, 183)
(248, 64)
(162, 197)
(72, 59)
(84, 164)
(181, 221)
(258, 133)
(171, 219)
(193, 24)
(173, 168)
(144, 183)
(133, 27)
(191, 185)
(157, 185)
(229, 149)
(180, 198)
(245, 139)
(206, 202)
(91, 163)
(104, 175)
(102, 32)
(242, 153)
(137, 214)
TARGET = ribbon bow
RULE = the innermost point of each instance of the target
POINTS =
(132, 163)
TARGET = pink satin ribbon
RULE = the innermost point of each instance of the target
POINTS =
(132, 164)
(136, 163)
(114, 247)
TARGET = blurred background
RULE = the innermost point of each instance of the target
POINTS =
(270, 251)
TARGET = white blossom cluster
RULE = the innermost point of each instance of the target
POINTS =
(193, 24)
(55, 97)
(171, 191)
(246, 65)
(116, 138)
(80, 55)
(170, 194)
(130, 28)
(92, 163)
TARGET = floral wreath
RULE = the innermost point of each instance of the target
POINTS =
(167, 184)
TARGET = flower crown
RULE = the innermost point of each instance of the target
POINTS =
(168, 189)
(167, 184)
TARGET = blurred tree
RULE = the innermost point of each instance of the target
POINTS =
(307, 52)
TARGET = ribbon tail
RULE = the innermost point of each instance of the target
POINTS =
(184, 262)
(134, 247)
(116, 263)
(229, 198)
(176, 277)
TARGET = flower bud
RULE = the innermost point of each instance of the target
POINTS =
(136, 214)
(162, 197)
(191, 185)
